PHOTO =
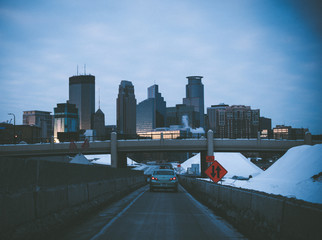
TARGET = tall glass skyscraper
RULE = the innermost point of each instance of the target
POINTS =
(195, 97)
(82, 93)
(126, 109)
(151, 113)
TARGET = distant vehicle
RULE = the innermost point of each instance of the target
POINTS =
(164, 179)
(166, 166)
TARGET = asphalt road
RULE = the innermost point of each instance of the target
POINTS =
(155, 215)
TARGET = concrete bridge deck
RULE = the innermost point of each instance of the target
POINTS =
(160, 145)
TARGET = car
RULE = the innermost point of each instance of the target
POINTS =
(164, 179)
(165, 166)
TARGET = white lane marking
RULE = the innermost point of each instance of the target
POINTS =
(101, 232)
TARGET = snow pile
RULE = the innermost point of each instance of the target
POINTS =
(235, 163)
(105, 159)
(292, 175)
(80, 159)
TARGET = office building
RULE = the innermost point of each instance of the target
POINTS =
(82, 94)
(66, 122)
(41, 119)
(195, 98)
(126, 109)
(182, 115)
(289, 133)
(265, 126)
(99, 125)
(237, 121)
(151, 113)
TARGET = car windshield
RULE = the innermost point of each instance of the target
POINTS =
(163, 173)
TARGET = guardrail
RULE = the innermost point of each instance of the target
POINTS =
(259, 215)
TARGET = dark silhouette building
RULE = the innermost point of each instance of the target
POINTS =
(99, 124)
(10, 134)
(195, 97)
(126, 109)
(265, 126)
(151, 113)
(82, 93)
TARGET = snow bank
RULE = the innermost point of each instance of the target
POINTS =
(105, 159)
(291, 175)
(235, 163)
(80, 159)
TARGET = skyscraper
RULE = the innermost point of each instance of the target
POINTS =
(195, 97)
(82, 93)
(151, 113)
(126, 109)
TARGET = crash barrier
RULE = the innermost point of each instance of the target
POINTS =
(38, 197)
(259, 215)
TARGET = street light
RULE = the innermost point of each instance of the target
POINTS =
(14, 127)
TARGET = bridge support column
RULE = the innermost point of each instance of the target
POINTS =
(114, 149)
(118, 159)
(210, 142)
(209, 152)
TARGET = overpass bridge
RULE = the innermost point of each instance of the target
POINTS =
(119, 148)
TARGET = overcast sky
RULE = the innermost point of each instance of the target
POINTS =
(265, 54)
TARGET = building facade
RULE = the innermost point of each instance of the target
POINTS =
(99, 124)
(126, 109)
(41, 119)
(289, 133)
(265, 125)
(151, 113)
(195, 98)
(82, 94)
(181, 112)
(237, 121)
(66, 122)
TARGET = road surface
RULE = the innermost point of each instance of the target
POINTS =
(155, 215)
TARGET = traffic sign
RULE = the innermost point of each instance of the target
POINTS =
(216, 172)
(210, 159)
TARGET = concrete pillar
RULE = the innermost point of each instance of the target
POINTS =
(210, 142)
(114, 150)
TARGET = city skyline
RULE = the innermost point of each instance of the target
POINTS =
(263, 55)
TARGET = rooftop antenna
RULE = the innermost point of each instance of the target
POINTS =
(84, 69)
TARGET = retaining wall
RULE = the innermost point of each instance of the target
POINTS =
(259, 215)
(37, 197)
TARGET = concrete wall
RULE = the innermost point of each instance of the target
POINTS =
(259, 215)
(39, 196)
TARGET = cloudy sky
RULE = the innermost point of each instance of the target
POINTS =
(265, 54)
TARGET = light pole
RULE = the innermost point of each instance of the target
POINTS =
(14, 127)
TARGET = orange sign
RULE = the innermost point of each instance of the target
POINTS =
(216, 172)
(210, 158)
